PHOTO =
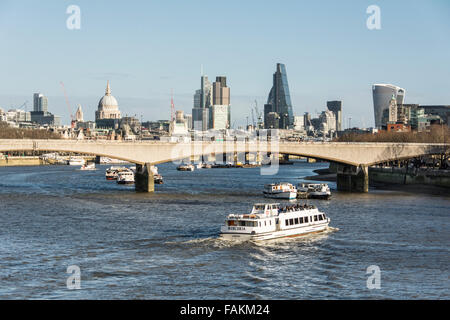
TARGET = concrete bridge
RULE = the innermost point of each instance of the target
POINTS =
(353, 158)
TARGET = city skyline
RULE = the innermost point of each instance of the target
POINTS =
(328, 58)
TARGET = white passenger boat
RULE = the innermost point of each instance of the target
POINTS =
(280, 191)
(76, 161)
(88, 167)
(314, 191)
(186, 167)
(270, 221)
(112, 172)
(157, 178)
(125, 177)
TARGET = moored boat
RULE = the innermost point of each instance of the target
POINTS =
(157, 178)
(186, 167)
(125, 177)
(112, 172)
(271, 221)
(314, 191)
(282, 190)
(76, 161)
(88, 167)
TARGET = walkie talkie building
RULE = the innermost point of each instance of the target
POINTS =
(382, 95)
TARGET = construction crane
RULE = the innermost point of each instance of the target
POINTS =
(72, 119)
(172, 107)
(24, 105)
(259, 116)
(253, 119)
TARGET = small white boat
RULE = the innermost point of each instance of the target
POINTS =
(88, 167)
(280, 191)
(125, 177)
(270, 221)
(314, 191)
(76, 161)
(186, 167)
(112, 172)
(157, 178)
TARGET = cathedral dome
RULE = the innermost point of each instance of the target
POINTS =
(108, 108)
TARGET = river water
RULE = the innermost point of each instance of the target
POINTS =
(165, 245)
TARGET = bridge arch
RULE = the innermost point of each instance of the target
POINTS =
(145, 153)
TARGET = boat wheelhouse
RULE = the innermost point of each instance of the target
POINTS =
(282, 190)
(271, 221)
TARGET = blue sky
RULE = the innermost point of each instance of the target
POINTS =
(146, 48)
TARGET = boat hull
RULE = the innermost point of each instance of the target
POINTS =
(319, 196)
(288, 233)
(125, 182)
(281, 195)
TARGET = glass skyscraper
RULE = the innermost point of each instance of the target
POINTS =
(280, 98)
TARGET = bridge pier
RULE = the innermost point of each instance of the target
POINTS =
(352, 179)
(144, 180)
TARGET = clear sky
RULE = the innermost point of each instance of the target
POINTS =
(146, 48)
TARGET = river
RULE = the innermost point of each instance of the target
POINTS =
(165, 245)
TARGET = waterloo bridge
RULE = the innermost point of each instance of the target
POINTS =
(353, 159)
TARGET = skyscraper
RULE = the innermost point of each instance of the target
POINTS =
(280, 98)
(202, 103)
(40, 112)
(40, 103)
(336, 108)
(221, 99)
(205, 93)
(382, 95)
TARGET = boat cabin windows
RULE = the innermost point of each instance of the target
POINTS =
(291, 222)
(247, 223)
(234, 223)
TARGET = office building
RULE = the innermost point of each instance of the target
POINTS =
(299, 123)
(327, 122)
(40, 103)
(40, 114)
(336, 108)
(219, 117)
(204, 115)
(382, 94)
(280, 99)
(272, 121)
(221, 99)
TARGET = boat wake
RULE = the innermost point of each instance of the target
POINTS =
(219, 243)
